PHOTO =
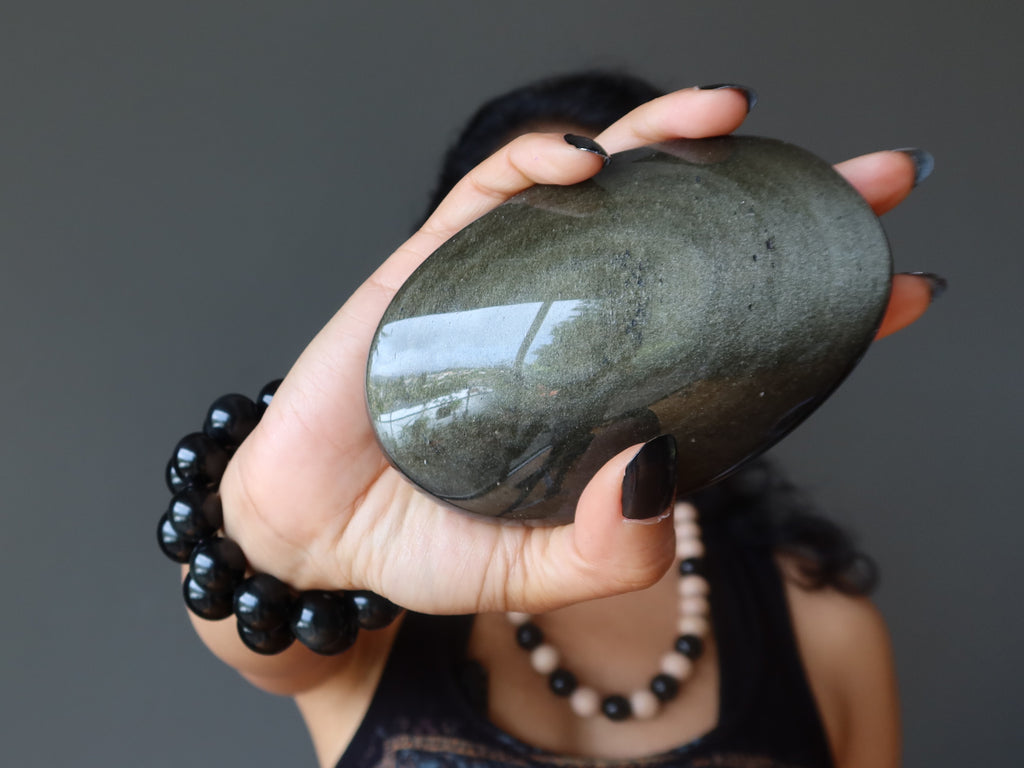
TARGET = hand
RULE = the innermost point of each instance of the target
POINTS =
(311, 499)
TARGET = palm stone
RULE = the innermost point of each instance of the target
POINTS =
(716, 289)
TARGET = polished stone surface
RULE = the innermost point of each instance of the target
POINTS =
(717, 289)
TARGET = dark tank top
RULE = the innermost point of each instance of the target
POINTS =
(430, 705)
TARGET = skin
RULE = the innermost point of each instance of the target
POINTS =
(311, 499)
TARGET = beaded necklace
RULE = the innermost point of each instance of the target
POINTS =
(676, 666)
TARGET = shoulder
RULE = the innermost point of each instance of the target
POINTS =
(846, 650)
(334, 706)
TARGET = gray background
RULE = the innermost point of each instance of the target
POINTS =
(189, 190)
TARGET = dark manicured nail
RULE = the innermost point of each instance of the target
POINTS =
(649, 483)
(936, 283)
(924, 162)
(587, 145)
(749, 93)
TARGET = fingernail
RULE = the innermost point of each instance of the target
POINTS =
(587, 145)
(924, 162)
(649, 483)
(749, 93)
(937, 284)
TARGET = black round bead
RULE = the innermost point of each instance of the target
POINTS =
(562, 682)
(266, 395)
(266, 641)
(529, 636)
(690, 646)
(616, 707)
(173, 479)
(325, 622)
(691, 566)
(196, 513)
(665, 687)
(200, 460)
(372, 610)
(230, 419)
(204, 603)
(218, 565)
(173, 544)
(263, 602)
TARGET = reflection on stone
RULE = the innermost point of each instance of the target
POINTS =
(719, 291)
(418, 344)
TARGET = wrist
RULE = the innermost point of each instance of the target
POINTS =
(220, 581)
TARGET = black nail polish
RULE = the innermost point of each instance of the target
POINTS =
(649, 483)
(924, 162)
(587, 145)
(749, 93)
(936, 283)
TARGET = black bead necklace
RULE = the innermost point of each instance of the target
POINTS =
(676, 666)
(270, 614)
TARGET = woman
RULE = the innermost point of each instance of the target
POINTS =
(793, 670)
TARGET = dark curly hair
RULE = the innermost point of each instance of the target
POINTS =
(763, 507)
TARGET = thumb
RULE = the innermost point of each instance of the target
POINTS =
(622, 538)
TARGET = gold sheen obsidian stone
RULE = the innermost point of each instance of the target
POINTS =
(718, 289)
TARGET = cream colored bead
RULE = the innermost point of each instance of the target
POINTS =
(693, 586)
(644, 704)
(687, 530)
(676, 665)
(517, 619)
(584, 701)
(544, 659)
(687, 548)
(693, 625)
(694, 605)
(685, 511)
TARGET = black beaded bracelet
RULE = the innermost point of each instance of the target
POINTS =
(270, 614)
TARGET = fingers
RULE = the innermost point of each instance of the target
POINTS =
(884, 179)
(603, 552)
(910, 297)
(690, 113)
(534, 158)
(549, 159)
